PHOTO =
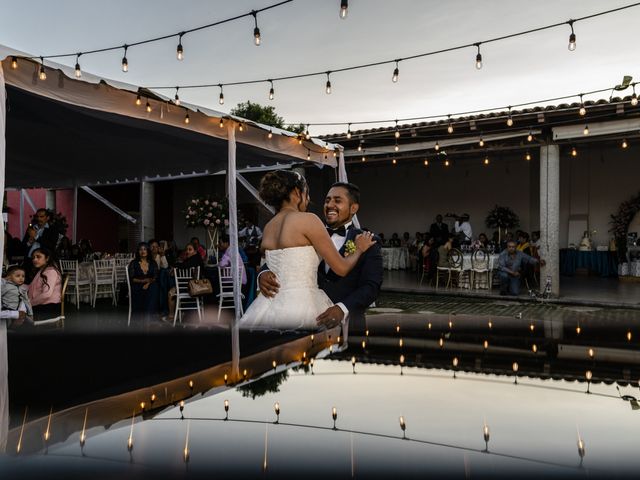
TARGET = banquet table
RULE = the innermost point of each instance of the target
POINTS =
(602, 263)
(395, 258)
(493, 261)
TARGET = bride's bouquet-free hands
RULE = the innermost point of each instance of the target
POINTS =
(363, 242)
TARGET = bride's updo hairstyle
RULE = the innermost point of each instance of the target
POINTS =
(276, 186)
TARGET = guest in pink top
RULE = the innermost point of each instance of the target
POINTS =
(46, 286)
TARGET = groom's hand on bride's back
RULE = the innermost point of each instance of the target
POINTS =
(268, 284)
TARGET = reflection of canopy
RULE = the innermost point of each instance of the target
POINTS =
(63, 132)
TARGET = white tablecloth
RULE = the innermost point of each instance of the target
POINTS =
(395, 258)
(466, 261)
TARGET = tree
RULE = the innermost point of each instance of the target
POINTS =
(258, 113)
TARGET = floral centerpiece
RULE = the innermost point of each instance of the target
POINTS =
(209, 213)
(502, 218)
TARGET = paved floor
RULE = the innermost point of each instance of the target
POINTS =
(578, 290)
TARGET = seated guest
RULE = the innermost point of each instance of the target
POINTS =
(414, 251)
(45, 290)
(394, 241)
(15, 296)
(483, 241)
(439, 231)
(505, 240)
(158, 255)
(157, 252)
(523, 243)
(191, 258)
(143, 272)
(510, 266)
(64, 248)
(195, 241)
(225, 260)
(443, 251)
(406, 240)
(428, 254)
(383, 242)
(535, 240)
(86, 249)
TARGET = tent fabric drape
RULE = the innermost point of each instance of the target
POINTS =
(233, 245)
(342, 177)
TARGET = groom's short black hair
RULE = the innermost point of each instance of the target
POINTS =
(352, 191)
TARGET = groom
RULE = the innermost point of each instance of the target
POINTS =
(353, 293)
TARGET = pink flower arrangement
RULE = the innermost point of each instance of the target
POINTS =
(206, 212)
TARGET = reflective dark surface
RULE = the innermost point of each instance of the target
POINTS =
(436, 372)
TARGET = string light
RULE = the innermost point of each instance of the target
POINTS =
(530, 136)
(481, 142)
(221, 96)
(527, 157)
(426, 163)
(177, 98)
(14, 62)
(349, 132)
(450, 127)
(446, 163)
(582, 111)
(486, 160)
(360, 145)
(148, 107)
(307, 135)
(125, 62)
(509, 119)
(344, 7)
(624, 143)
(396, 72)
(396, 147)
(221, 124)
(186, 118)
(586, 130)
(308, 154)
(328, 84)
(179, 49)
(478, 57)
(397, 132)
(364, 159)
(634, 97)
(572, 37)
(270, 134)
(42, 75)
(272, 92)
(256, 30)
(574, 152)
(436, 147)
(241, 127)
(138, 100)
(394, 161)
(78, 72)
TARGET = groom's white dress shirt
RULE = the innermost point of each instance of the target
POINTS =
(339, 241)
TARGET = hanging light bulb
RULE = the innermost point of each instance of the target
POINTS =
(349, 132)
(586, 130)
(270, 134)
(221, 96)
(574, 152)
(394, 161)
(364, 159)
(42, 75)
(344, 6)
(328, 85)
(307, 135)
(256, 30)
(450, 127)
(486, 160)
(426, 163)
(186, 118)
(396, 147)
(308, 154)
(530, 136)
(396, 72)
(360, 145)
(221, 124)
(446, 163)
(179, 49)
(436, 147)
(78, 71)
(176, 99)
(624, 143)
(582, 111)
(572, 37)
(478, 57)
(125, 62)
(509, 119)
(14, 62)
(397, 132)
(148, 107)
(272, 92)
(527, 156)
(481, 142)
(634, 97)
(138, 100)
(241, 127)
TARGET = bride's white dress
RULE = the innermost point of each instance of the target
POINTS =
(299, 300)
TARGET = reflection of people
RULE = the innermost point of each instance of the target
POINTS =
(439, 231)
(354, 292)
(225, 260)
(292, 241)
(45, 290)
(585, 243)
(143, 272)
(463, 228)
(510, 266)
(250, 233)
(14, 293)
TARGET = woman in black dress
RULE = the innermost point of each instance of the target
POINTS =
(143, 272)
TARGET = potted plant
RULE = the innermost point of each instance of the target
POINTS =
(502, 218)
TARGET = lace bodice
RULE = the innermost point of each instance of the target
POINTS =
(295, 267)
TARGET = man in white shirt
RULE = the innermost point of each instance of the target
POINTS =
(463, 228)
(251, 232)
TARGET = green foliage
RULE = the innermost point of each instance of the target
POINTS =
(268, 384)
(258, 113)
(621, 220)
(300, 128)
(503, 218)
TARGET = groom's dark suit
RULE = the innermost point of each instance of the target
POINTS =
(360, 287)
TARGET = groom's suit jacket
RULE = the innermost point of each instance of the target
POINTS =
(360, 287)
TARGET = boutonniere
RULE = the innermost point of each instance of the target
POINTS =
(349, 248)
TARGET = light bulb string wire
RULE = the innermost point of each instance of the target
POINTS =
(179, 34)
(410, 57)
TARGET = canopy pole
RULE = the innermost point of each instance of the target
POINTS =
(108, 204)
(75, 214)
(4, 371)
(233, 245)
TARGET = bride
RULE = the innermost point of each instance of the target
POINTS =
(293, 242)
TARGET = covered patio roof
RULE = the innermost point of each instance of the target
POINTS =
(65, 132)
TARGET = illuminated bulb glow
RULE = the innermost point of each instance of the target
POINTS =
(148, 107)
(187, 120)
(586, 130)
(478, 58)
(138, 100)
(270, 135)
(530, 136)
(450, 128)
(396, 73)
(446, 163)
(509, 121)
(78, 71)
(125, 62)
(42, 74)
(396, 147)
(344, 6)
(574, 152)
(624, 143)
(180, 50)
(426, 163)
(394, 161)
(572, 38)
(327, 87)
(272, 91)
(486, 160)
(481, 142)
(14, 62)
(527, 156)
(436, 146)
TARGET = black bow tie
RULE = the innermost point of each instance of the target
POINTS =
(342, 231)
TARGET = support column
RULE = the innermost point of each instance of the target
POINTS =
(50, 200)
(550, 217)
(147, 211)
